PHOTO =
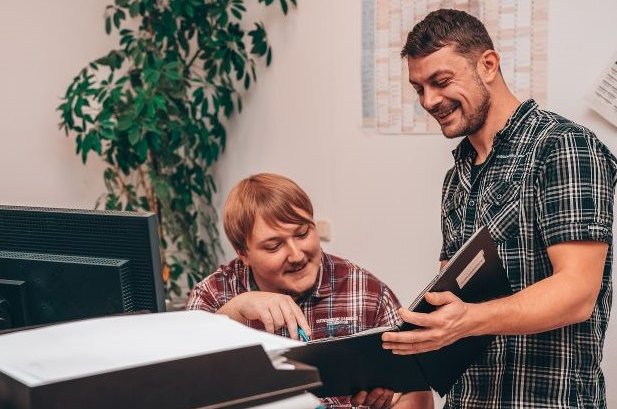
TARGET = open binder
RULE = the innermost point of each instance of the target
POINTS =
(179, 360)
(358, 362)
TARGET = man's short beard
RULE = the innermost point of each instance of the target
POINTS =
(477, 119)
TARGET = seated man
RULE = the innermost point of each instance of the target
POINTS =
(282, 280)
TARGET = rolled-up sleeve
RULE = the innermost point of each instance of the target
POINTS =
(575, 189)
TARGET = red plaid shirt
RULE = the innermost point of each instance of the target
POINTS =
(347, 299)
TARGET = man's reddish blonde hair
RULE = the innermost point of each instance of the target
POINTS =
(277, 199)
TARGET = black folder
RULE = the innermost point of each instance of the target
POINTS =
(358, 362)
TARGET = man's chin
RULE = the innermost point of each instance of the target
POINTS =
(301, 286)
(453, 135)
(451, 132)
(297, 292)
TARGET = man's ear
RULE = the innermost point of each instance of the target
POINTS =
(243, 256)
(488, 65)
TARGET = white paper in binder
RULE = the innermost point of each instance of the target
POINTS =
(72, 350)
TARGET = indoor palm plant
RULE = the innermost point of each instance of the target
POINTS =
(155, 110)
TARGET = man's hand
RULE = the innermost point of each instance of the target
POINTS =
(384, 398)
(566, 297)
(378, 398)
(442, 327)
(415, 400)
(272, 309)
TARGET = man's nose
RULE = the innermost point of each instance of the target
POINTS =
(431, 99)
(295, 254)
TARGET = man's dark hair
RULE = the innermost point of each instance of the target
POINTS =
(445, 27)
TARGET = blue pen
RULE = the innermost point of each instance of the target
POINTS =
(303, 335)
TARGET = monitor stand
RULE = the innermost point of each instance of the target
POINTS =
(13, 311)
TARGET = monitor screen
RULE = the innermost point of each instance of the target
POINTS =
(64, 264)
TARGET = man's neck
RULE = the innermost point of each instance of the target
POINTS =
(500, 111)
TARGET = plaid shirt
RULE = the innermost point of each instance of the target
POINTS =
(547, 180)
(345, 300)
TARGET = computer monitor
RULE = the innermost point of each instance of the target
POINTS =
(64, 264)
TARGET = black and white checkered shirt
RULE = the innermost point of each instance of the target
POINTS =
(547, 180)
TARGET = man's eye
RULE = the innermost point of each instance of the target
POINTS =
(272, 247)
(303, 234)
(442, 83)
(419, 91)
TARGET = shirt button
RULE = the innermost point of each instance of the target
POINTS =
(472, 203)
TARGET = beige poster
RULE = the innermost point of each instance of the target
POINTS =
(519, 29)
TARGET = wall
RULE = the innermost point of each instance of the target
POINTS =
(43, 46)
(303, 119)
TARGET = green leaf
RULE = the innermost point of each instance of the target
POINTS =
(258, 40)
(125, 122)
(108, 133)
(204, 107)
(173, 75)
(108, 25)
(154, 141)
(81, 102)
(159, 102)
(175, 289)
(90, 142)
(117, 18)
(162, 190)
(190, 11)
(198, 96)
(134, 135)
(152, 76)
(134, 9)
(142, 150)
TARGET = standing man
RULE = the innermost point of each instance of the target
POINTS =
(544, 187)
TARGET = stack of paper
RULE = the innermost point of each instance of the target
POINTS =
(83, 348)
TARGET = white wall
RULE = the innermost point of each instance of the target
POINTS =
(43, 45)
(303, 119)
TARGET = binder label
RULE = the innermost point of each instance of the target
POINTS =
(471, 269)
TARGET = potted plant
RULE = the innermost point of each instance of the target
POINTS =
(155, 110)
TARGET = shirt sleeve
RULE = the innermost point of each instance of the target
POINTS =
(204, 297)
(387, 310)
(575, 190)
(343, 402)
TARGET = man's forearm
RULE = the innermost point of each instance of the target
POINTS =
(559, 300)
(231, 311)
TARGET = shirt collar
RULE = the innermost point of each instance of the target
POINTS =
(323, 288)
(507, 134)
(246, 282)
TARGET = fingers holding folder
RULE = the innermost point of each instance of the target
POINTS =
(446, 325)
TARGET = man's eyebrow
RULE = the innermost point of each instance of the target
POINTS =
(278, 238)
(268, 240)
(434, 75)
(438, 73)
